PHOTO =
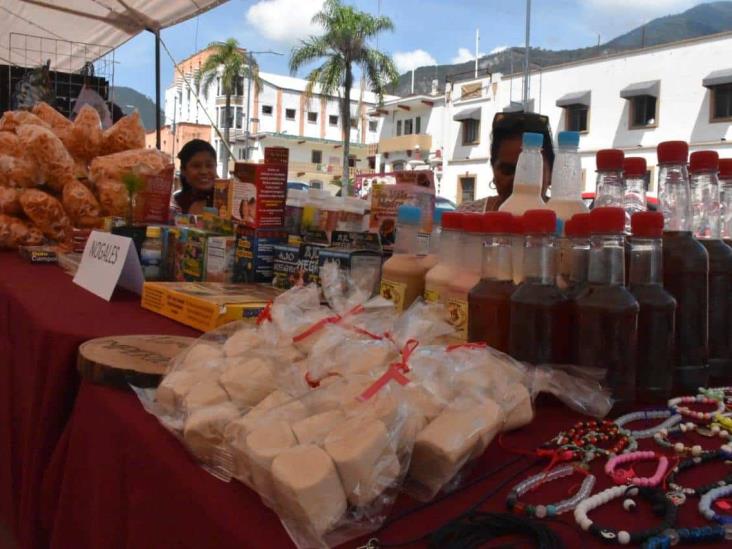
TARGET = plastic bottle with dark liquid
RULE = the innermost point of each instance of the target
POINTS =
(634, 174)
(656, 318)
(574, 278)
(606, 329)
(706, 216)
(489, 302)
(540, 312)
(725, 187)
(685, 269)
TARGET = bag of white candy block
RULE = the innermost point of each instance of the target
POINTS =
(330, 463)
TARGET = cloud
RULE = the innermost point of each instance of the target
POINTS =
(408, 60)
(284, 21)
(463, 56)
(498, 49)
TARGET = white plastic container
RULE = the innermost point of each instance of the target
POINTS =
(566, 199)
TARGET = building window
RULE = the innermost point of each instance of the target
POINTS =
(643, 111)
(241, 153)
(418, 125)
(316, 157)
(399, 128)
(372, 162)
(333, 119)
(312, 117)
(398, 165)
(471, 131)
(408, 127)
(354, 123)
(239, 117)
(218, 85)
(239, 86)
(466, 192)
(267, 110)
(222, 117)
(351, 161)
(721, 102)
(290, 114)
(373, 125)
(576, 116)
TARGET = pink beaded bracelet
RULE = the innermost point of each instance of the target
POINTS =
(627, 476)
(674, 404)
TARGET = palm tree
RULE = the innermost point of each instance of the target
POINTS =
(343, 45)
(231, 64)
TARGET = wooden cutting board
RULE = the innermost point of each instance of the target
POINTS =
(119, 361)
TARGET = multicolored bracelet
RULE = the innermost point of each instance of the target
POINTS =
(661, 507)
(585, 435)
(678, 493)
(723, 422)
(675, 405)
(627, 476)
(703, 534)
(670, 421)
(661, 438)
(717, 393)
(554, 509)
(706, 501)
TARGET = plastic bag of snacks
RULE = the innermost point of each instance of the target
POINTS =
(54, 161)
(127, 133)
(10, 121)
(19, 172)
(9, 202)
(80, 204)
(46, 213)
(112, 167)
(9, 144)
(15, 232)
(84, 138)
(58, 122)
(113, 198)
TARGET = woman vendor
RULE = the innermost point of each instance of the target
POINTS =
(197, 175)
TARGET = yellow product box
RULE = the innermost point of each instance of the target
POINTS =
(207, 305)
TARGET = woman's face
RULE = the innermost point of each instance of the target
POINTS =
(200, 171)
(504, 167)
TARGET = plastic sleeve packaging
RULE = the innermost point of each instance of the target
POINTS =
(127, 133)
(10, 121)
(54, 161)
(84, 138)
(46, 213)
(58, 122)
(9, 144)
(15, 232)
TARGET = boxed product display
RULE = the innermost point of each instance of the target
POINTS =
(307, 267)
(220, 258)
(206, 305)
(256, 195)
(254, 254)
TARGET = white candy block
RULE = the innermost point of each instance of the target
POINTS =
(248, 381)
(366, 462)
(517, 402)
(204, 393)
(313, 429)
(461, 432)
(262, 446)
(336, 392)
(175, 386)
(308, 490)
(201, 355)
(383, 406)
(241, 342)
(204, 429)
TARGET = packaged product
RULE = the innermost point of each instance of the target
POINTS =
(84, 138)
(80, 204)
(19, 172)
(15, 232)
(54, 161)
(127, 133)
(58, 122)
(9, 203)
(9, 144)
(47, 214)
(10, 121)
(113, 167)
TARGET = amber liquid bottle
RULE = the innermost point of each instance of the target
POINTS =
(607, 313)
(685, 270)
(540, 312)
(574, 280)
(489, 302)
(725, 187)
(656, 319)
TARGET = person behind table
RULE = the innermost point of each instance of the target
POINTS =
(197, 175)
(506, 136)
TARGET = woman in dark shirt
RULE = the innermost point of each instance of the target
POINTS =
(197, 175)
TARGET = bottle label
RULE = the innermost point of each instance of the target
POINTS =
(457, 315)
(394, 291)
(431, 296)
(423, 243)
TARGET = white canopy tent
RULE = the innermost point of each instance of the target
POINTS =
(105, 24)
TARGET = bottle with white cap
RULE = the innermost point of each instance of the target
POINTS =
(566, 199)
(529, 178)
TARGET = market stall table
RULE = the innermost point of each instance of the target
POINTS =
(44, 317)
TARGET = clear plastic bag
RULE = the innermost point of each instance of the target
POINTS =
(54, 161)
(84, 138)
(126, 134)
(46, 213)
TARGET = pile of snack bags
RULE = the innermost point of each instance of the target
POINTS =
(56, 175)
(328, 412)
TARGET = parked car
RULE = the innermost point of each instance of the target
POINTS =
(297, 186)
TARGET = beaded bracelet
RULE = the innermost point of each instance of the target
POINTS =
(661, 438)
(669, 423)
(703, 534)
(724, 422)
(675, 405)
(585, 435)
(554, 509)
(678, 493)
(706, 501)
(661, 507)
(627, 476)
(717, 393)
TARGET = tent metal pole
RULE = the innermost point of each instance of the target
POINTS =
(157, 89)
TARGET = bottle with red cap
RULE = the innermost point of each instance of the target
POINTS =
(606, 321)
(467, 275)
(685, 269)
(634, 171)
(656, 324)
(439, 276)
(489, 302)
(540, 312)
(703, 167)
(572, 275)
(725, 187)
(610, 186)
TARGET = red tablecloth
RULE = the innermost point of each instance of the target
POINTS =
(43, 319)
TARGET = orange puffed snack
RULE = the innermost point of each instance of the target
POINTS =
(9, 144)
(138, 161)
(80, 204)
(84, 138)
(19, 172)
(113, 198)
(46, 213)
(9, 203)
(15, 232)
(54, 161)
(127, 133)
(10, 121)
(58, 122)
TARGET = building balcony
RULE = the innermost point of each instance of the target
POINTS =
(410, 142)
(237, 100)
(325, 171)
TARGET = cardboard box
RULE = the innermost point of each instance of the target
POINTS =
(254, 255)
(206, 306)
(257, 195)
(152, 203)
(220, 258)
(362, 266)
(191, 254)
(287, 268)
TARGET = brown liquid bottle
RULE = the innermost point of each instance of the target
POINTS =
(656, 319)
(706, 209)
(606, 329)
(489, 302)
(540, 312)
(574, 280)
(725, 187)
(685, 270)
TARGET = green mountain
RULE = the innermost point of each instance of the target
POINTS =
(129, 100)
(700, 20)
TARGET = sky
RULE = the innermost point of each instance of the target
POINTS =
(426, 31)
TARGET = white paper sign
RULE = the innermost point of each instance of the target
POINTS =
(109, 260)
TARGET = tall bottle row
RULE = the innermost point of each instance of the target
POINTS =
(643, 297)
